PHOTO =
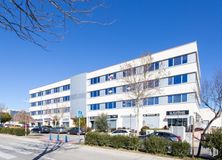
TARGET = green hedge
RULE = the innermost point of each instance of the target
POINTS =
(13, 131)
(180, 149)
(154, 145)
(102, 139)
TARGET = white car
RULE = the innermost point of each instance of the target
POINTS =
(122, 132)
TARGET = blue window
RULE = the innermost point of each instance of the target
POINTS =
(177, 79)
(40, 93)
(56, 100)
(177, 98)
(184, 78)
(177, 61)
(33, 95)
(151, 101)
(110, 90)
(184, 59)
(65, 110)
(95, 107)
(56, 89)
(95, 80)
(33, 104)
(33, 113)
(110, 105)
(110, 77)
(66, 98)
(157, 65)
(40, 112)
(151, 67)
(129, 72)
(66, 87)
(170, 99)
(40, 103)
(184, 97)
(170, 62)
(170, 80)
(48, 91)
(95, 93)
(128, 103)
(126, 88)
(48, 101)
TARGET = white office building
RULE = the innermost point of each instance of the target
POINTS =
(104, 91)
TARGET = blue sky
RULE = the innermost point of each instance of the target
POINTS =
(141, 25)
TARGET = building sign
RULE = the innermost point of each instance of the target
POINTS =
(150, 115)
(108, 117)
(174, 113)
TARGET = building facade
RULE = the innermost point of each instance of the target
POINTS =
(105, 91)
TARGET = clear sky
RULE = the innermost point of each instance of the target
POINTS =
(141, 25)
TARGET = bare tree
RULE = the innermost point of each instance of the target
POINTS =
(24, 118)
(41, 20)
(211, 97)
(141, 79)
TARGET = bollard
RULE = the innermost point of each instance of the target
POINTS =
(57, 139)
(66, 138)
(50, 137)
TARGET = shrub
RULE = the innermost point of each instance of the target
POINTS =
(180, 149)
(13, 131)
(214, 140)
(156, 145)
(133, 143)
(91, 138)
(119, 141)
(103, 139)
(143, 130)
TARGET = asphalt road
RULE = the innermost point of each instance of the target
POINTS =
(21, 148)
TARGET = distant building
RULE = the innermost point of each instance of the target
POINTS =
(100, 91)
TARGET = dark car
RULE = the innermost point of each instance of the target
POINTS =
(75, 131)
(41, 129)
(1, 125)
(57, 130)
(166, 135)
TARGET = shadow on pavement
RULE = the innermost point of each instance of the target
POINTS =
(49, 150)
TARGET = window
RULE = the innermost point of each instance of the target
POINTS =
(151, 67)
(40, 112)
(170, 80)
(33, 113)
(95, 107)
(66, 87)
(110, 105)
(65, 110)
(40, 93)
(129, 72)
(151, 101)
(95, 80)
(151, 84)
(40, 103)
(177, 60)
(95, 93)
(56, 100)
(126, 88)
(66, 98)
(128, 103)
(111, 91)
(184, 97)
(170, 62)
(184, 59)
(177, 98)
(33, 104)
(33, 95)
(56, 110)
(48, 101)
(56, 89)
(177, 79)
(47, 92)
(170, 99)
(110, 77)
(184, 78)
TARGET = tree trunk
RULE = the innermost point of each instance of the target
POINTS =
(138, 118)
(204, 132)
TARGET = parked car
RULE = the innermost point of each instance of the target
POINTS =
(1, 125)
(40, 129)
(123, 132)
(75, 131)
(166, 135)
(57, 130)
